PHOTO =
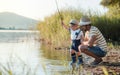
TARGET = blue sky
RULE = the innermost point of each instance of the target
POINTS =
(38, 9)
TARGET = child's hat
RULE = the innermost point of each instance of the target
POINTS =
(73, 22)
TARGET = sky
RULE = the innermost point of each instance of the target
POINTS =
(38, 9)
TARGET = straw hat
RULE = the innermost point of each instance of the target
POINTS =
(73, 22)
(84, 21)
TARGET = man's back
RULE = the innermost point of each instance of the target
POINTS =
(100, 40)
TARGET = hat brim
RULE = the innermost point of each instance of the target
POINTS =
(72, 24)
(84, 23)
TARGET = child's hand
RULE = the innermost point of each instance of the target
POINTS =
(62, 23)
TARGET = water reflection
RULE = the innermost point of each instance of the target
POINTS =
(56, 61)
(19, 54)
(22, 54)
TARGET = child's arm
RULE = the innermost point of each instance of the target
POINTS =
(65, 26)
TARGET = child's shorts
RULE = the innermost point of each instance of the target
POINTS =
(97, 51)
(75, 45)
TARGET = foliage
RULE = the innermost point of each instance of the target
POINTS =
(110, 27)
(51, 29)
(110, 2)
(113, 5)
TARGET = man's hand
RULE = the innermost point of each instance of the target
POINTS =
(91, 41)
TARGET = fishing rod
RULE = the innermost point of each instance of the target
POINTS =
(61, 18)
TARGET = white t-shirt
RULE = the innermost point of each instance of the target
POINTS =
(76, 34)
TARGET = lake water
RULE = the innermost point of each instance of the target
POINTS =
(22, 54)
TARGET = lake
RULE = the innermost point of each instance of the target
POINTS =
(22, 54)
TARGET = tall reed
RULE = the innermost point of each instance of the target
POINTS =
(52, 31)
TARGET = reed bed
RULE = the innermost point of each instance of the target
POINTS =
(54, 35)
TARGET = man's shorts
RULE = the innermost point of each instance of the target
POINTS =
(97, 51)
(75, 45)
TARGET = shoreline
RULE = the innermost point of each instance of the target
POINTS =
(50, 44)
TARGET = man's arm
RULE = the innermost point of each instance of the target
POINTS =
(85, 40)
(91, 40)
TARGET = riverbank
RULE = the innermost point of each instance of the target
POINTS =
(63, 55)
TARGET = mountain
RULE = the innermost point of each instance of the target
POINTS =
(14, 21)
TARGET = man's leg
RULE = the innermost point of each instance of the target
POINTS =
(84, 49)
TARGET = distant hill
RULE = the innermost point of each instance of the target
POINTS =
(15, 21)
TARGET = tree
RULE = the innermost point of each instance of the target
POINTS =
(113, 5)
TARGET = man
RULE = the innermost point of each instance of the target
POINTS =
(94, 43)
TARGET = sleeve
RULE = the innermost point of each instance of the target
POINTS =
(93, 31)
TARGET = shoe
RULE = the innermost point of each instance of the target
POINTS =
(95, 63)
(79, 64)
(72, 66)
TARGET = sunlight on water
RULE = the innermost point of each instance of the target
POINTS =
(20, 57)
(20, 54)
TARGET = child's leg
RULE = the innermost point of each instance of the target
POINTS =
(73, 55)
(80, 59)
(76, 45)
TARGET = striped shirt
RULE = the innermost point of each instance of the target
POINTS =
(100, 40)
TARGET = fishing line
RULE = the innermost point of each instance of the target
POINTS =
(58, 10)
(61, 18)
